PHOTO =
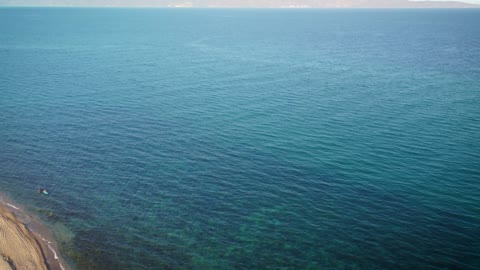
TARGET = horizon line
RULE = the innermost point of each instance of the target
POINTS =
(473, 6)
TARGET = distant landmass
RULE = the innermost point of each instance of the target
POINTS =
(244, 3)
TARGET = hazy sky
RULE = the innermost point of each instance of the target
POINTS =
(466, 1)
(87, 2)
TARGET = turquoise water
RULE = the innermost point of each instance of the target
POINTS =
(246, 139)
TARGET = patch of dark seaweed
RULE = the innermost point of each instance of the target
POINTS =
(102, 248)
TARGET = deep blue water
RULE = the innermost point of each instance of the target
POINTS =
(246, 139)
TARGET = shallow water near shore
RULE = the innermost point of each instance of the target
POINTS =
(246, 139)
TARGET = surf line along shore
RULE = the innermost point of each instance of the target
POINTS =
(19, 247)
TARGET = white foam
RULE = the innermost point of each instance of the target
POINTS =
(55, 256)
(13, 206)
(45, 240)
(52, 249)
(54, 253)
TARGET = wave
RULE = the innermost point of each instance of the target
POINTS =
(48, 244)
(12, 206)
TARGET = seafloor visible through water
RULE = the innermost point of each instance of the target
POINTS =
(246, 139)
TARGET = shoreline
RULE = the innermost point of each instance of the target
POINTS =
(24, 241)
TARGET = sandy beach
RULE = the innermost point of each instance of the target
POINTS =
(19, 249)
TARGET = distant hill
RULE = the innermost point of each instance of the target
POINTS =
(245, 3)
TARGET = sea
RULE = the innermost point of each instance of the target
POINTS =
(245, 138)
